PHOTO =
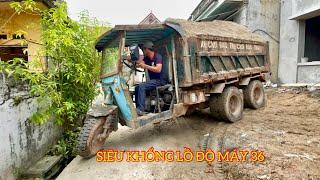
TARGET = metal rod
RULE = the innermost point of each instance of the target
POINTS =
(174, 61)
(186, 63)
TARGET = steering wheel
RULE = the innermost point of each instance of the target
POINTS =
(133, 65)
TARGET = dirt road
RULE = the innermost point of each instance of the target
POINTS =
(287, 130)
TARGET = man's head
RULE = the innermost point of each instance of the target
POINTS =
(148, 48)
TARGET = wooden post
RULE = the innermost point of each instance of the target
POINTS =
(122, 42)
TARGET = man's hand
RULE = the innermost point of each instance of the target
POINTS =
(140, 61)
(141, 64)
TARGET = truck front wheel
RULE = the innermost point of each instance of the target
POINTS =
(92, 136)
(254, 96)
(227, 106)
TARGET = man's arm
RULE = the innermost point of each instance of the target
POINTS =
(156, 69)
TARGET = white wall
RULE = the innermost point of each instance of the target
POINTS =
(22, 143)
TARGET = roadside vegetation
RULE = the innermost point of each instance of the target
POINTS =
(66, 86)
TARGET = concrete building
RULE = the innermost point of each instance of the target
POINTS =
(300, 41)
(291, 27)
(260, 17)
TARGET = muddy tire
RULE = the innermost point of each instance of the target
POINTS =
(89, 142)
(254, 96)
(227, 106)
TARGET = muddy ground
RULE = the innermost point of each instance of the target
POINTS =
(287, 130)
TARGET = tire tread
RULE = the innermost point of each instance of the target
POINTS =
(218, 107)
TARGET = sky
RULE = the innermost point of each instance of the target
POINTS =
(132, 11)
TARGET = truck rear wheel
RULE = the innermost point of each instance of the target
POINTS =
(92, 137)
(227, 106)
(254, 96)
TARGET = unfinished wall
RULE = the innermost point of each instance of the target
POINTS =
(304, 6)
(292, 39)
(22, 143)
(263, 17)
(309, 72)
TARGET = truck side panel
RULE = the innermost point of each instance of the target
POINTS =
(215, 59)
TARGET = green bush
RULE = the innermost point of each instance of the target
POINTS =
(66, 89)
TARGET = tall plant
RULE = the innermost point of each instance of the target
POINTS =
(65, 90)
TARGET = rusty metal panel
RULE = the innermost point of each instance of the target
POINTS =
(180, 60)
(227, 47)
(174, 64)
(193, 97)
(192, 42)
(179, 110)
(218, 88)
(243, 60)
(151, 117)
(223, 59)
(253, 61)
(100, 110)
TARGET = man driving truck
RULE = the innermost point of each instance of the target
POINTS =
(153, 63)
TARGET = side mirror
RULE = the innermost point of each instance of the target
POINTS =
(134, 52)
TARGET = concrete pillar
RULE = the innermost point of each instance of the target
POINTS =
(289, 46)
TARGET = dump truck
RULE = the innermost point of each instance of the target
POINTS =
(218, 65)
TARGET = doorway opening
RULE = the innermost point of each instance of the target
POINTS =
(312, 39)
